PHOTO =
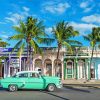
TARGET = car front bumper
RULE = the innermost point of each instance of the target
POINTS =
(59, 85)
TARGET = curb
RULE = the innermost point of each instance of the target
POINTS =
(82, 85)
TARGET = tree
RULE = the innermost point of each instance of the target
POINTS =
(94, 39)
(63, 33)
(2, 44)
(30, 34)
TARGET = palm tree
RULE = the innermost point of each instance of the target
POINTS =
(94, 39)
(63, 33)
(2, 44)
(29, 35)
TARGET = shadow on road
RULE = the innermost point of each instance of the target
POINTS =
(2, 89)
(76, 89)
(62, 98)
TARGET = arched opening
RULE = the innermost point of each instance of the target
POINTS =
(58, 68)
(48, 67)
(69, 69)
(14, 66)
(38, 65)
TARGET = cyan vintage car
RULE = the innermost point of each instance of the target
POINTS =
(31, 80)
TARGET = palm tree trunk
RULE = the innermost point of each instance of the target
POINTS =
(58, 52)
(30, 60)
(27, 65)
(57, 57)
(91, 60)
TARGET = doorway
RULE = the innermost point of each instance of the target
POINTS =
(81, 70)
(92, 71)
(69, 69)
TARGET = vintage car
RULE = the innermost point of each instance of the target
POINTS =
(30, 80)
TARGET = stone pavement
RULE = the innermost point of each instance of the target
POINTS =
(81, 83)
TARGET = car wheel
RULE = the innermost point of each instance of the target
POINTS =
(51, 87)
(12, 88)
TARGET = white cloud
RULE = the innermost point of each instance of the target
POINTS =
(83, 27)
(16, 17)
(92, 18)
(54, 7)
(26, 8)
(4, 36)
(86, 6)
(48, 30)
(88, 9)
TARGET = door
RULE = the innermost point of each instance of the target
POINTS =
(35, 81)
(81, 70)
(22, 80)
(69, 70)
(99, 71)
(92, 70)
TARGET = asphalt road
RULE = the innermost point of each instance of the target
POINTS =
(66, 93)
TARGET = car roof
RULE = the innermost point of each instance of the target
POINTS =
(27, 72)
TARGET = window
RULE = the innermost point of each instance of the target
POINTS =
(23, 75)
(34, 75)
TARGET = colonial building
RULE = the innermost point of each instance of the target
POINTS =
(68, 66)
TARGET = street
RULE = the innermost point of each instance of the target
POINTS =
(66, 93)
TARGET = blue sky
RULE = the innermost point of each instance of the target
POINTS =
(81, 14)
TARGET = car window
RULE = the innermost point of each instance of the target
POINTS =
(14, 76)
(34, 75)
(23, 75)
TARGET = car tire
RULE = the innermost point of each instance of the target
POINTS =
(51, 87)
(12, 88)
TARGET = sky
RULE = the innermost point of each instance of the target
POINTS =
(81, 14)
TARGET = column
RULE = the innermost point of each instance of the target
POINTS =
(9, 70)
(62, 70)
(86, 72)
(76, 69)
(33, 65)
(43, 67)
(65, 69)
(52, 68)
(89, 69)
(9, 64)
(5, 68)
(24, 65)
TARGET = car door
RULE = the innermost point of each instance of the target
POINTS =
(22, 80)
(35, 81)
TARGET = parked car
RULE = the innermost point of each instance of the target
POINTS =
(30, 80)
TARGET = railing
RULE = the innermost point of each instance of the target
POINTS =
(81, 51)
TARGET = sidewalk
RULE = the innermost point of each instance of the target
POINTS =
(81, 83)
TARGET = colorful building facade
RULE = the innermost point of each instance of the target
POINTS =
(68, 66)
